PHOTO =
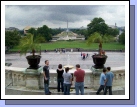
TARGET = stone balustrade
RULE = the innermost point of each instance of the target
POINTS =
(31, 78)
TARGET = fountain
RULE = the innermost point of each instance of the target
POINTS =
(68, 65)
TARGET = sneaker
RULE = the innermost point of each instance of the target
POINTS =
(50, 92)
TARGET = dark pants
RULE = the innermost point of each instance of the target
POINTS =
(108, 88)
(60, 82)
(100, 89)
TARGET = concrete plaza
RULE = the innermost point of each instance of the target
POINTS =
(115, 59)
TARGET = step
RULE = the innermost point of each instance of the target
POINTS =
(16, 90)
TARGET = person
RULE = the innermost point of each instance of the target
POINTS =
(78, 49)
(108, 82)
(87, 55)
(56, 50)
(46, 77)
(67, 81)
(102, 81)
(79, 75)
(60, 79)
(81, 54)
(84, 56)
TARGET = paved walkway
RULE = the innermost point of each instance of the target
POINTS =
(115, 59)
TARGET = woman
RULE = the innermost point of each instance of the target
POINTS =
(67, 81)
(60, 79)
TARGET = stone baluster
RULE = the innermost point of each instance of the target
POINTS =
(41, 80)
(52, 80)
(14, 77)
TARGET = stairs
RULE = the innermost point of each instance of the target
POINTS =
(16, 90)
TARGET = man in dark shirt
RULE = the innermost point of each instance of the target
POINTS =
(79, 80)
(46, 77)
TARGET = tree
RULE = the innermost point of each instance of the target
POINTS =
(96, 37)
(113, 32)
(97, 25)
(12, 38)
(122, 38)
(81, 31)
(45, 32)
(55, 31)
(32, 31)
(27, 43)
(40, 38)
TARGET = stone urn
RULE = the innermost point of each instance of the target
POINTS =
(99, 60)
(33, 61)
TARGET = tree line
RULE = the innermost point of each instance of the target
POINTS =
(45, 33)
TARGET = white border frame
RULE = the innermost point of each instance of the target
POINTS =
(126, 3)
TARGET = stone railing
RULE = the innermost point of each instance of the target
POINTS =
(31, 78)
(119, 77)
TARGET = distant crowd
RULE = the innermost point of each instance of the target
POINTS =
(64, 80)
(84, 55)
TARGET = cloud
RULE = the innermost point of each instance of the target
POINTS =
(55, 16)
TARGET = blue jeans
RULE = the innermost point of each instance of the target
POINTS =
(46, 86)
(79, 86)
(67, 89)
(60, 82)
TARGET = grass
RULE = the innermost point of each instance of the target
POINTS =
(77, 44)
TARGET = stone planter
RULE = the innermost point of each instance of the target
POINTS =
(33, 61)
(99, 60)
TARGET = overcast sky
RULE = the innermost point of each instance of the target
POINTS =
(55, 16)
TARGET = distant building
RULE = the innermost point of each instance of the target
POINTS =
(67, 36)
(11, 29)
(27, 28)
(121, 29)
(112, 26)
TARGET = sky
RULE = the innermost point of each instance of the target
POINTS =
(55, 16)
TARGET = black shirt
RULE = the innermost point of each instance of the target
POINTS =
(46, 71)
(60, 73)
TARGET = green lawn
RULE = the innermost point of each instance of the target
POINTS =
(77, 44)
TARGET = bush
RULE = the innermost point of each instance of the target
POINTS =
(122, 38)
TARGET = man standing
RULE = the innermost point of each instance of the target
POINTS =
(46, 77)
(102, 81)
(79, 80)
(108, 82)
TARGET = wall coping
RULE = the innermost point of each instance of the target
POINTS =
(52, 71)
